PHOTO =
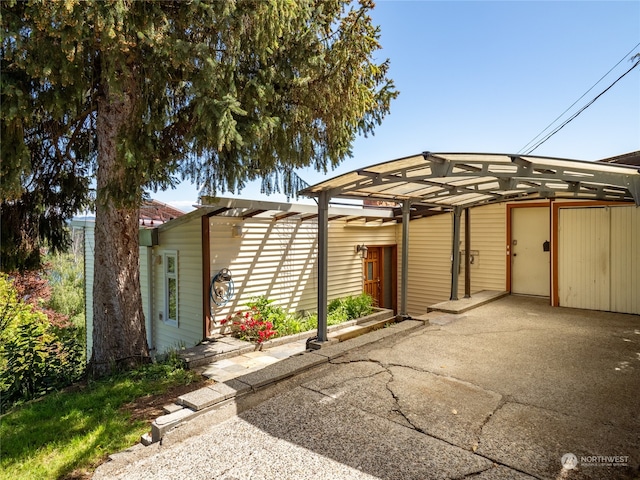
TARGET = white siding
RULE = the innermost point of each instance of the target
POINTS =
(430, 242)
(146, 281)
(278, 260)
(488, 238)
(89, 254)
(186, 240)
(429, 276)
(345, 275)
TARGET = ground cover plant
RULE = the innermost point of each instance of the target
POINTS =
(67, 434)
(264, 319)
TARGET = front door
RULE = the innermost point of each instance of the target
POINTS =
(372, 282)
(530, 251)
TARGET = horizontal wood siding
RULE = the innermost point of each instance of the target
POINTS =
(279, 260)
(488, 238)
(146, 256)
(89, 254)
(430, 252)
(345, 274)
(429, 276)
(273, 259)
(186, 241)
(144, 280)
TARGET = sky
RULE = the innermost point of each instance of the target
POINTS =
(489, 76)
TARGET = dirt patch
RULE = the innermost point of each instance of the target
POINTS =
(148, 408)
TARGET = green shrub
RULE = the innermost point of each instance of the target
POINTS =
(35, 356)
(65, 274)
(338, 311)
(266, 310)
(350, 308)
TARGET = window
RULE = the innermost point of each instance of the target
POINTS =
(171, 288)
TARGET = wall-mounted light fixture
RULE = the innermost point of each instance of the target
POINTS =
(362, 250)
(236, 231)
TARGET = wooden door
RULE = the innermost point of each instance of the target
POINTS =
(372, 281)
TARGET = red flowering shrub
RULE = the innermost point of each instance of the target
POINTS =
(33, 288)
(249, 326)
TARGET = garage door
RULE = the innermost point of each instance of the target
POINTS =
(598, 258)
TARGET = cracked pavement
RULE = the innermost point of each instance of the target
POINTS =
(500, 392)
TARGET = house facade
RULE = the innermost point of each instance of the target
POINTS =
(580, 253)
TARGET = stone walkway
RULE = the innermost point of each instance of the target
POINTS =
(233, 367)
(237, 373)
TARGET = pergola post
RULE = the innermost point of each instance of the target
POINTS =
(406, 211)
(323, 262)
(455, 253)
(467, 254)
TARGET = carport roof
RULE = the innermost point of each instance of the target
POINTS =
(447, 180)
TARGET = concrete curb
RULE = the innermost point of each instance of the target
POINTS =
(226, 347)
(197, 402)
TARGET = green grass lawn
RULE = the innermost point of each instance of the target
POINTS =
(68, 434)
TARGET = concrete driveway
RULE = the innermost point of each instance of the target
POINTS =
(505, 391)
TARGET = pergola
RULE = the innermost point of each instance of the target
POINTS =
(435, 183)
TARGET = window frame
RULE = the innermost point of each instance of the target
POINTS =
(167, 277)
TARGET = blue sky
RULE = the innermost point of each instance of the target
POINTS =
(488, 76)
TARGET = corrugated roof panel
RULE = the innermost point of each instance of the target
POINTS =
(488, 176)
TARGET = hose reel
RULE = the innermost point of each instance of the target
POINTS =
(221, 289)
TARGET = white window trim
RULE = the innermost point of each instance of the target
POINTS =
(166, 276)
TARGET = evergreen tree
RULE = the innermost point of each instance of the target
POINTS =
(151, 92)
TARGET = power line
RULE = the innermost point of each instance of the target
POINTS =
(581, 97)
(580, 111)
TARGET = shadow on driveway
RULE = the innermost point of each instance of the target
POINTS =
(504, 391)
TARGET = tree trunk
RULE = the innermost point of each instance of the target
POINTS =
(119, 337)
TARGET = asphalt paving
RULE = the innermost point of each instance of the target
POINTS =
(514, 389)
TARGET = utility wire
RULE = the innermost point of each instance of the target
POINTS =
(574, 103)
(557, 129)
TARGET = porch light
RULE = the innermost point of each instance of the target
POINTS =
(362, 250)
(236, 231)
